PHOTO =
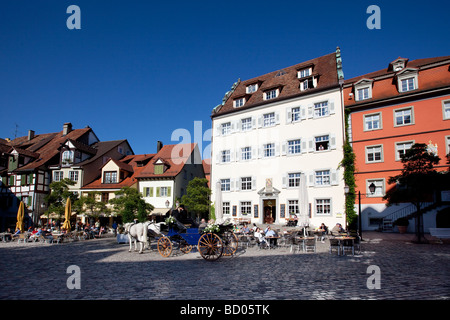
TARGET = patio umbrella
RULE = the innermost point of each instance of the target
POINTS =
(67, 214)
(218, 207)
(304, 204)
(20, 216)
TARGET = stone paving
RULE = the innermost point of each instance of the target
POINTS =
(39, 271)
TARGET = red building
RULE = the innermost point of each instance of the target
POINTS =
(390, 110)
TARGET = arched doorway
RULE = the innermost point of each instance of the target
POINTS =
(443, 218)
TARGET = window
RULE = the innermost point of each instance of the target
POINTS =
(272, 94)
(225, 156)
(252, 88)
(58, 175)
(164, 192)
(269, 119)
(294, 146)
(226, 208)
(294, 180)
(295, 114)
(321, 109)
(246, 124)
(323, 206)
(67, 157)
(446, 109)
(403, 117)
(73, 175)
(379, 188)
(246, 153)
(363, 94)
(401, 147)
(293, 207)
(105, 197)
(304, 73)
(239, 102)
(225, 184)
(372, 121)
(110, 177)
(408, 84)
(322, 143)
(246, 183)
(269, 150)
(322, 178)
(226, 128)
(374, 154)
(246, 207)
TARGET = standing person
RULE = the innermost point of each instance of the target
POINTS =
(114, 226)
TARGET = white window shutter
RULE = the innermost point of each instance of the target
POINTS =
(253, 183)
(331, 103)
(304, 146)
(277, 149)
(231, 185)
(334, 178)
(332, 141)
(260, 151)
(284, 148)
(284, 181)
(237, 183)
(260, 121)
(288, 115)
(254, 152)
(218, 158)
(253, 123)
(311, 145)
(238, 154)
(311, 179)
(277, 117)
(218, 130)
(303, 112)
(232, 155)
(310, 111)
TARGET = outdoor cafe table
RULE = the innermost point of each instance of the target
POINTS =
(346, 239)
(4, 235)
(272, 241)
(303, 239)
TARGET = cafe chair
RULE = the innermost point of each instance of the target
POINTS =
(348, 245)
(357, 244)
(334, 244)
(310, 244)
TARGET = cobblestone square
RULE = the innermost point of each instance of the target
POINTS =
(408, 271)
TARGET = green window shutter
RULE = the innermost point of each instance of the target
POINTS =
(151, 192)
(5, 180)
(157, 191)
(11, 180)
(145, 191)
(168, 191)
(23, 179)
(30, 178)
(29, 200)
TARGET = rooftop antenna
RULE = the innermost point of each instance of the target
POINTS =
(15, 131)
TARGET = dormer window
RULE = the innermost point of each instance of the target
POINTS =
(363, 89)
(110, 177)
(67, 157)
(239, 102)
(159, 168)
(407, 80)
(252, 88)
(271, 94)
(304, 73)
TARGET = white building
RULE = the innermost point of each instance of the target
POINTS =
(274, 130)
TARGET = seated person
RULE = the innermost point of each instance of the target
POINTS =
(245, 229)
(202, 225)
(271, 233)
(260, 237)
(337, 229)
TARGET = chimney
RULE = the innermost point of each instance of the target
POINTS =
(159, 146)
(30, 134)
(67, 128)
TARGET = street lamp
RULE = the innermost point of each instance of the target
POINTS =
(372, 188)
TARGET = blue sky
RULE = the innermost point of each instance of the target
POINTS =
(139, 70)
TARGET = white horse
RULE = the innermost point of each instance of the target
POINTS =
(139, 233)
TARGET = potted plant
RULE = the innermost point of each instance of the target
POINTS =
(402, 224)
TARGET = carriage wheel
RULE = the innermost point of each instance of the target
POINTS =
(164, 247)
(185, 247)
(230, 243)
(210, 246)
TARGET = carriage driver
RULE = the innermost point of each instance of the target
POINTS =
(182, 216)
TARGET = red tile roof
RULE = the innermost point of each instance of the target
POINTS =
(325, 68)
(433, 73)
(175, 156)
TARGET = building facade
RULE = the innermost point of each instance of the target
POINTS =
(390, 110)
(277, 145)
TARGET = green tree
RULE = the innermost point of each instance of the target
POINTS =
(130, 204)
(56, 199)
(92, 207)
(197, 197)
(416, 183)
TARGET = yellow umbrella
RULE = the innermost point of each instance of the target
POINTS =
(67, 214)
(20, 215)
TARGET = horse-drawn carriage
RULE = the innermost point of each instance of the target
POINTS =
(211, 242)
